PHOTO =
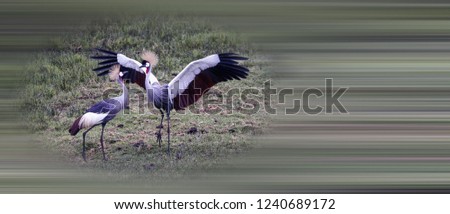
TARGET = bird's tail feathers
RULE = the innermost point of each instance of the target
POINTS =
(75, 127)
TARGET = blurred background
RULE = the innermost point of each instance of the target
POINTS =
(392, 55)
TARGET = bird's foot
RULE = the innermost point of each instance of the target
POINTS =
(159, 138)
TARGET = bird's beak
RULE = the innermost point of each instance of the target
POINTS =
(142, 66)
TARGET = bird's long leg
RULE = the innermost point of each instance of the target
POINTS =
(168, 132)
(158, 136)
(168, 121)
(101, 141)
(84, 144)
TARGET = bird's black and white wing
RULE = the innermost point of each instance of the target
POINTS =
(200, 75)
(105, 106)
(130, 67)
(101, 112)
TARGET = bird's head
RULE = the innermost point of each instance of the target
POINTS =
(146, 65)
(149, 60)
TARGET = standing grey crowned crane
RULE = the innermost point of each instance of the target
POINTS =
(102, 112)
(185, 89)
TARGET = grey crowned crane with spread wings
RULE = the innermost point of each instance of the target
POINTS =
(185, 89)
(102, 112)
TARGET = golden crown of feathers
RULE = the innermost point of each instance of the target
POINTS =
(150, 57)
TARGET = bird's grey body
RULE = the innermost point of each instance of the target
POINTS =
(100, 114)
(157, 95)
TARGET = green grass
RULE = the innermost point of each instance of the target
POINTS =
(61, 86)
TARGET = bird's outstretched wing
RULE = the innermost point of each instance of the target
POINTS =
(200, 75)
(130, 67)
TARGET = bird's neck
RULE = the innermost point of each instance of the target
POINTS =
(147, 81)
(150, 79)
(123, 99)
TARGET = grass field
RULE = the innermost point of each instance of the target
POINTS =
(61, 86)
